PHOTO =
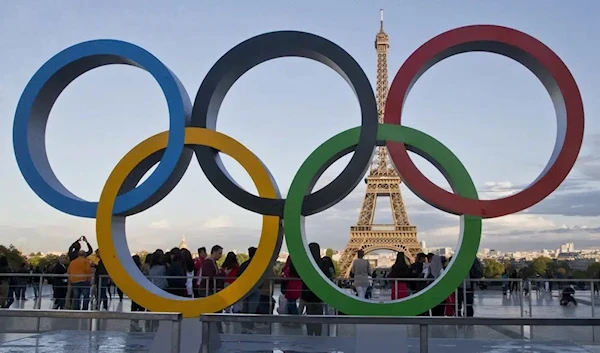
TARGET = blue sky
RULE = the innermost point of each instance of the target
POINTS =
(490, 111)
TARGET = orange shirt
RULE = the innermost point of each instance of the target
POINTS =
(78, 267)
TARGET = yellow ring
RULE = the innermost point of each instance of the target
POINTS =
(112, 242)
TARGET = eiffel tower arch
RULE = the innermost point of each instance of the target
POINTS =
(382, 180)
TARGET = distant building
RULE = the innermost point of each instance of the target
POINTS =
(447, 252)
(567, 248)
(581, 264)
(183, 244)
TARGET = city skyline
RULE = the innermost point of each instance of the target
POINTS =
(289, 100)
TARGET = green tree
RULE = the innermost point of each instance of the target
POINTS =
(13, 255)
(579, 274)
(336, 265)
(492, 268)
(142, 254)
(593, 270)
(242, 257)
(44, 262)
(563, 268)
(540, 265)
(329, 252)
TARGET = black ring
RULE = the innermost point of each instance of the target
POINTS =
(253, 52)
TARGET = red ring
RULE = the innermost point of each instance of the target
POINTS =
(534, 55)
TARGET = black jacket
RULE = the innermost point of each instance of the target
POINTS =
(309, 296)
(74, 250)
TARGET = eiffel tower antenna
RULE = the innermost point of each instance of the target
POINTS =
(383, 180)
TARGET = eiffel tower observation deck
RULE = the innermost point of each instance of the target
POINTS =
(382, 180)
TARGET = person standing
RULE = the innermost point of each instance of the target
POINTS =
(399, 271)
(198, 269)
(60, 283)
(212, 278)
(4, 281)
(293, 288)
(468, 293)
(22, 281)
(80, 275)
(360, 271)
(231, 267)
(210, 283)
(435, 271)
(416, 273)
(101, 283)
(74, 249)
(252, 299)
(314, 304)
(176, 274)
(158, 270)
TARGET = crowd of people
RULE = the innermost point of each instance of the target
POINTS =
(77, 281)
(407, 279)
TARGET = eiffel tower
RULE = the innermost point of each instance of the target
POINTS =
(383, 180)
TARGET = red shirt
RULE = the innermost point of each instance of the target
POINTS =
(197, 266)
(232, 274)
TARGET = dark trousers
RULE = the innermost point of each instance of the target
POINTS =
(12, 292)
(21, 291)
(566, 299)
(60, 295)
(314, 309)
(461, 298)
(102, 287)
(439, 310)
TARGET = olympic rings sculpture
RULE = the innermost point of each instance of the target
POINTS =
(192, 132)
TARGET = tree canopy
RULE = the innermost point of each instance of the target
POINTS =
(492, 268)
(13, 255)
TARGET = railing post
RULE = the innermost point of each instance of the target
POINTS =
(271, 292)
(38, 304)
(205, 337)
(99, 294)
(464, 308)
(530, 291)
(592, 284)
(522, 308)
(530, 310)
(423, 339)
(456, 314)
(592, 297)
(176, 336)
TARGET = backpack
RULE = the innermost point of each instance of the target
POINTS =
(476, 270)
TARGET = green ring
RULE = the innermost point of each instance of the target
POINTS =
(304, 181)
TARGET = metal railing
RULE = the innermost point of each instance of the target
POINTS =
(422, 322)
(174, 318)
(523, 288)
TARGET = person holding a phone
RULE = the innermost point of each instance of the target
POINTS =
(76, 246)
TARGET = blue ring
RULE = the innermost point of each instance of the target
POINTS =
(42, 91)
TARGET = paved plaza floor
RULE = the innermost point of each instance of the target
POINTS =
(68, 335)
(124, 342)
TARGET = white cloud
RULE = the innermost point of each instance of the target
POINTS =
(218, 222)
(162, 224)
(497, 189)
(517, 222)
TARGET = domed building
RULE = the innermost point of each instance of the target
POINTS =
(183, 244)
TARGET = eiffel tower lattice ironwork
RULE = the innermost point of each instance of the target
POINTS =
(383, 180)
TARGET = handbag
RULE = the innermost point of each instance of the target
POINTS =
(282, 309)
